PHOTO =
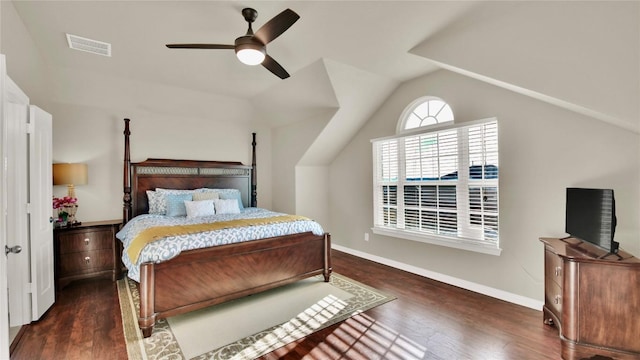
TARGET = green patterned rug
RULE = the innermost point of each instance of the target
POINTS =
(249, 327)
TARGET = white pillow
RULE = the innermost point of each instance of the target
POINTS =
(199, 208)
(226, 206)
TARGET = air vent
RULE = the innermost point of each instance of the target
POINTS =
(88, 45)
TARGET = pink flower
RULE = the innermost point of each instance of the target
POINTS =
(61, 202)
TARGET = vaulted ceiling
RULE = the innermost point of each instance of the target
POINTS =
(372, 36)
(344, 57)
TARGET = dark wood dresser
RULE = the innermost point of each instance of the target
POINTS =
(593, 298)
(86, 251)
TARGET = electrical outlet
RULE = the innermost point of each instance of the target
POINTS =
(366, 236)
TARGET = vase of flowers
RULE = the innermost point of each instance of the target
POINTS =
(66, 208)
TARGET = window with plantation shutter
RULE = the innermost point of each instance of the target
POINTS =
(439, 186)
(388, 196)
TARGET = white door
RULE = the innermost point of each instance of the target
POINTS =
(4, 309)
(15, 162)
(40, 221)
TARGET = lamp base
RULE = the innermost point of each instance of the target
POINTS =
(71, 211)
(71, 191)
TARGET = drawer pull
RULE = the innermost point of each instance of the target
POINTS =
(86, 241)
(556, 300)
(87, 259)
(558, 270)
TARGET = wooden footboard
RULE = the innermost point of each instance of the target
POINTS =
(200, 278)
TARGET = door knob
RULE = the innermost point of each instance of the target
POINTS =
(14, 249)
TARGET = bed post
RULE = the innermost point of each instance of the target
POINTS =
(254, 175)
(148, 314)
(327, 257)
(126, 198)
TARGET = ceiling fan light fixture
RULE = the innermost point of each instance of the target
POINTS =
(251, 49)
(250, 55)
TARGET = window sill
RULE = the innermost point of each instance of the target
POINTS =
(456, 243)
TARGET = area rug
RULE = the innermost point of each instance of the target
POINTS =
(249, 327)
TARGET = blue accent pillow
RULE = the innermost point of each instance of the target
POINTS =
(175, 204)
(228, 194)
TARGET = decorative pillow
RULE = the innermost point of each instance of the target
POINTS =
(199, 208)
(175, 204)
(208, 195)
(156, 202)
(226, 206)
(226, 194)
(160, 207)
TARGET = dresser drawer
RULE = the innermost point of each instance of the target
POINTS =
(87, 261)
(553, 297)
(76, 241)
(553, 268)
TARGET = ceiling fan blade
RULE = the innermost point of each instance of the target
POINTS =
(200, 46)
(274, 67)
(276, 26)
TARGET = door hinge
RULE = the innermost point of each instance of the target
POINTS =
(28, 208)
(30, 128)
(30, 288)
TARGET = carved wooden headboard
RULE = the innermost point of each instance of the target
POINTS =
(183, 174)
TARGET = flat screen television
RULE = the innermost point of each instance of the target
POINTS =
(591, 216)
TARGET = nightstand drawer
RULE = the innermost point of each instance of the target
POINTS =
(86, 241)
(87, 261)
(87, 250)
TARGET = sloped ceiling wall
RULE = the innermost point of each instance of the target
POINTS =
(580, 55)
(300, 97)
(358, 94)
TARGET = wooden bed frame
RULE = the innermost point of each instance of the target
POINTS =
(199, 278)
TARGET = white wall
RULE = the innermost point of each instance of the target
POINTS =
(25, 65)
(95, 136)
(543, 150)
(289, 143)
(166, 122)
(312, 187)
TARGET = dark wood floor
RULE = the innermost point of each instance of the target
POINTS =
(428, 320)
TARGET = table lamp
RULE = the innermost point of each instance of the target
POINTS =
(70, 175)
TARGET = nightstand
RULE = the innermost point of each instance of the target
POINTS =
(89, 250)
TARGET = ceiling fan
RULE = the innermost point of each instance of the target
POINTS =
(251, 49)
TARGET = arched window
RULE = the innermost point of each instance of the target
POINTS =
(436, 181)
(424, 111)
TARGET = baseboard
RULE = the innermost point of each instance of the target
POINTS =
(468, 285)
(16, 339)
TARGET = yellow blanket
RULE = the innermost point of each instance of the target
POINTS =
(155, 233)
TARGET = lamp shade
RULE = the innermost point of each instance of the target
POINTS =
(70, 174)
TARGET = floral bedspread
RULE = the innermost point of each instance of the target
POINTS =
(170, 247)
